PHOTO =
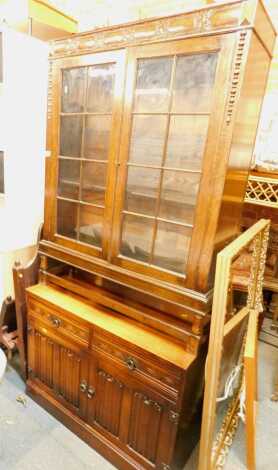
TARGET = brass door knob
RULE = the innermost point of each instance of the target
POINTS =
(131, 363)
(83, 386)
(56, 322)
(91, 392)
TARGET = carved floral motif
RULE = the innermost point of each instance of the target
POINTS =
(186, 24)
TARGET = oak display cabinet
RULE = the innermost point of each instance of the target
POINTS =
(151, 128)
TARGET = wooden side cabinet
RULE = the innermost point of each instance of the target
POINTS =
(118, 398)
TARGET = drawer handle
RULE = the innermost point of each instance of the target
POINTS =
(91, 392)
(56, 322)
(83, 386)
(131, 363)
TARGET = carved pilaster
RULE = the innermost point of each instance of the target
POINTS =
(49, 106)
(236, 76)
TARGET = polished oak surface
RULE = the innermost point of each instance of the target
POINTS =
(132, 332)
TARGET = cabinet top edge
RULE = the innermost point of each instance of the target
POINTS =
(116, 324)
(223, 17)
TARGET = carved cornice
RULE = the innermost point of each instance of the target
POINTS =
(209, 19)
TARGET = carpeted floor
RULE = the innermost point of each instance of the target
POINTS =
(31, 439)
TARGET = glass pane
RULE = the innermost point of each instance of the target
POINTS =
(69, 175)
(141, 192)
(152, 87)
(137, 237)
(73, 87)
(171, 247)
(71, 134)
(193, 83)
(147, 139)
(97, 134)
(178, 196)
(100, 88)
(91, 223)
(2, 178)
(186, 142)
(67, 218)
(93, 182)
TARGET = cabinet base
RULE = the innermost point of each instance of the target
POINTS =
(94, 439)
(97, 441)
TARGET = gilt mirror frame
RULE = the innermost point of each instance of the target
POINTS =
(214, 448)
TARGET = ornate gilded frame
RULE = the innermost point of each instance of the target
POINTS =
(213, 451)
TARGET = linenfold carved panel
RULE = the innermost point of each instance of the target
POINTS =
(52, 365)
(145, 415)
(109, 402)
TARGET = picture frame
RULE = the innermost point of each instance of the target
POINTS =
(217, 434)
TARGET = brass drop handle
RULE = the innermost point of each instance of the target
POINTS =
(91, 392)
(83, 386)
(131, 363)
(56, 322)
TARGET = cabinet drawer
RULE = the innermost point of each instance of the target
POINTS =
(138, 365)
(58, 322)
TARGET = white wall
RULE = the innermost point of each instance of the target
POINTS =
(23, 105)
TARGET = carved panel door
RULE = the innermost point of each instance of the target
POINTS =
(152, 426)
(123, 408)
(59, 366)
(106, 397)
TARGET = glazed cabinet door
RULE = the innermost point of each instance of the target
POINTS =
(132, 415)
(87, 114)
(172, 117)
(58, 366)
